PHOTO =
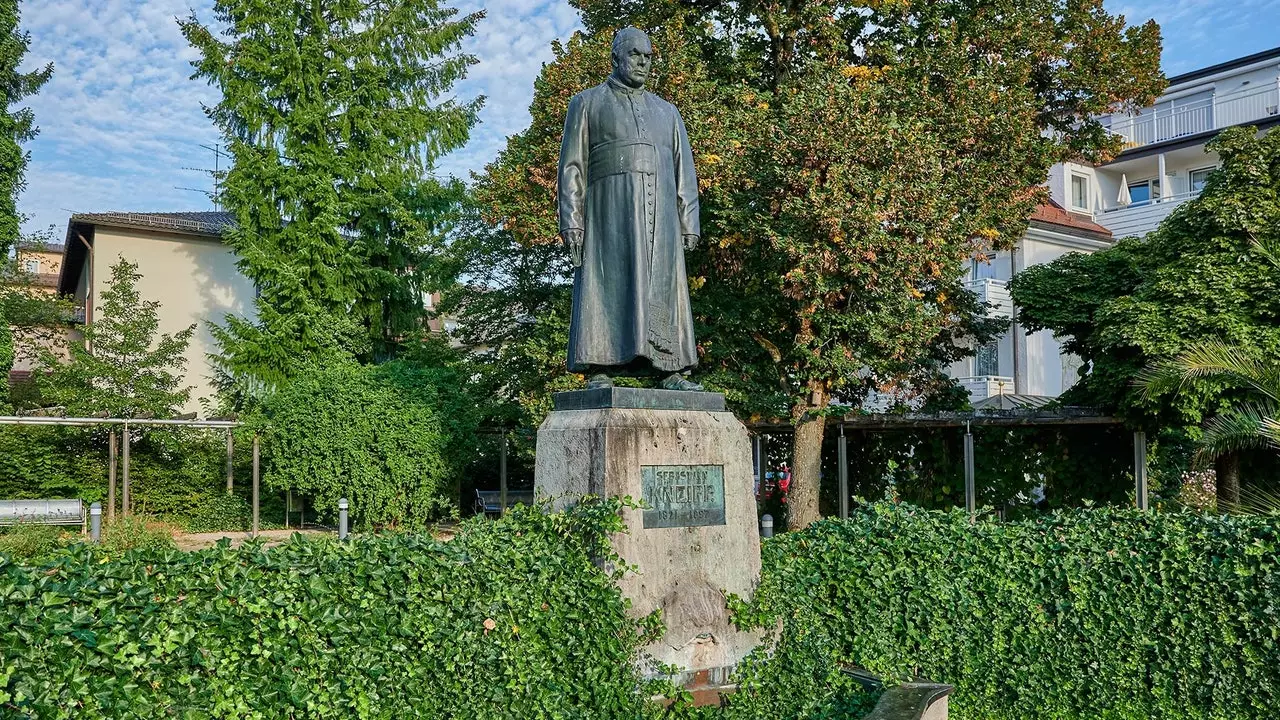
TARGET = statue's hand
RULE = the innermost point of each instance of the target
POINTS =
(573, 243)
(690, 242)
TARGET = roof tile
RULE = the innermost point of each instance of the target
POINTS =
(1054, 214)
(201, 223)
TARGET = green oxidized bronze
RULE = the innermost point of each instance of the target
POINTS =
(628, 206)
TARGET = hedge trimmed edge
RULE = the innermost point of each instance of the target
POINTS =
(510, 619)
(1099, 614)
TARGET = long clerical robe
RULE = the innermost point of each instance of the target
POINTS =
(627, 181)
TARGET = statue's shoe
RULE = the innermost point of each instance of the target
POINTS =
(599, 381)
(676, 381)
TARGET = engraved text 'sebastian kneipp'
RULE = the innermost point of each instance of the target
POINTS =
(682, 495)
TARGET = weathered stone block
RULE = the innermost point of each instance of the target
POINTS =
(684, 570)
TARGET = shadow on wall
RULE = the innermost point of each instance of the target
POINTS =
(221, 290)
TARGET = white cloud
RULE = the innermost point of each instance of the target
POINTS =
(122, 118)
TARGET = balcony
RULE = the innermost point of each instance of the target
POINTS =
(995, 293)
(1220, 111)
(1139, 219)
(985, 386)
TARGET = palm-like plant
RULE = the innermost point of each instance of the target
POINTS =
(1252, 423)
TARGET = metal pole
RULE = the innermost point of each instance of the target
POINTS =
(1140, 469)
(766, 526)
(970, 489)
(342, 519)
(95, 522)
(126, 505)
(842, 456)
(111, 476)
(255, 485)
(230, 463)
(502, 475)
(1016, 334)
(755, 446)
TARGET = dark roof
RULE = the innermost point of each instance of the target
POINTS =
(1012, 402)
(80, 228)
(1051, 213)
(41, 247)
(1223, 67)
(195, 223)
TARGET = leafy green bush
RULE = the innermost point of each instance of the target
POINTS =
(387, 437)
(510, 619)
(1111, 614)
(219, 511)
(30, 541)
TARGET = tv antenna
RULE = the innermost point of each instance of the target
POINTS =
(217, 173)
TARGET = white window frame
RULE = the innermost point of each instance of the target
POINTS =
(1088, 192)
(31, 265)
(1154, 191)
(1191, 176)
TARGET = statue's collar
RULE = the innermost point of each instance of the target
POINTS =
(622, 87)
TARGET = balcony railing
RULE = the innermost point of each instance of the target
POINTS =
(985, 386)
(995, 293)
(1220, 111)
(1138, 219)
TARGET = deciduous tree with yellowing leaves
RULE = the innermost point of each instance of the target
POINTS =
(852, 157)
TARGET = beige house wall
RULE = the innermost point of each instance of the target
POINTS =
(194, 279)
(50, 262)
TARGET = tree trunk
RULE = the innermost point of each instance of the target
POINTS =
(806, 463)
(1227, 468)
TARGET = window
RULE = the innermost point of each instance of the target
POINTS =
(1080, 193)
(1143, 193)
(1199, 177)
(983, 269)
(32, 266)
(986, 362)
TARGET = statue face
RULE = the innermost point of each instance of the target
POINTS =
(632, 62)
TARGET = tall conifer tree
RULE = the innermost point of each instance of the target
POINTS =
(17, 125)
(334, 114)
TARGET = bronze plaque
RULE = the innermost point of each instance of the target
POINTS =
(682, 495)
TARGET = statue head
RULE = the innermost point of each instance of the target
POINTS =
(632, 57)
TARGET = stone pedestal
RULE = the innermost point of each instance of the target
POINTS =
(690, 460)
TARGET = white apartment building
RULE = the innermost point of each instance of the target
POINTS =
(1164, 162)
(1163, 165)
(1031, 367)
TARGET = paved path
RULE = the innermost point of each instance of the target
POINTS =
(198, 541)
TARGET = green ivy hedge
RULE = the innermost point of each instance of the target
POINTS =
(1102, 614)
(510, 619)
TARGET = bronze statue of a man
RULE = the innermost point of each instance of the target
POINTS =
(628, 209)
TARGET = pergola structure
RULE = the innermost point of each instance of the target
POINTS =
(1015, 417)
(1018, 417)
(124, 424)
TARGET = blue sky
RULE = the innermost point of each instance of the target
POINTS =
(120, 121)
